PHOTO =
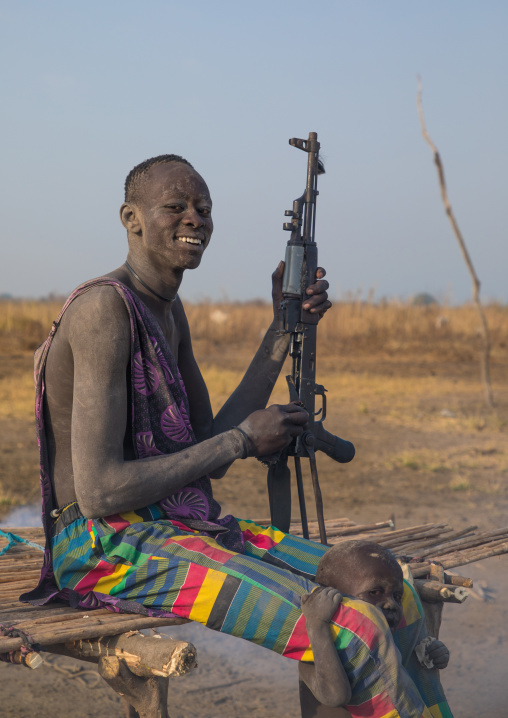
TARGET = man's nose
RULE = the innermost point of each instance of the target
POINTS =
(192, 217)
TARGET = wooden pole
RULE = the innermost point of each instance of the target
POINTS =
(485, 356)
(137, 667)
(427, 547)
(145, 656)
(434, 610)
(402, 535)
(85, 626)
(352, 530)
(435, 592)
(141, 697)
(482, 539)
(454, 580)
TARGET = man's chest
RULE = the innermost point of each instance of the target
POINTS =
(169, 329)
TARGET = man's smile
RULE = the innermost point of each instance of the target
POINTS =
(190, 240)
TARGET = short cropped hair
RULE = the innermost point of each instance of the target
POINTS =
(136, 176)
(349, 553)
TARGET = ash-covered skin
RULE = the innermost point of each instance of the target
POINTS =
(170, 225)
(366, 571)
(363, 570)
(326, 678)
(91, 455)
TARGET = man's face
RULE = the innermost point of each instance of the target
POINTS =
(381, 584)
(175, 211)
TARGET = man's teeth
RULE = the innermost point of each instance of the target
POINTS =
(190, 240)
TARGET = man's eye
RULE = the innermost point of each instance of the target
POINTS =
(375, 592)
(205, 211)
(398, 597)
(175, 207)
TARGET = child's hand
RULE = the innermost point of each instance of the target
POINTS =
(321, 604)
(438, 653)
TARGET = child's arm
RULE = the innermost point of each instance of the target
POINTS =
(326, 677)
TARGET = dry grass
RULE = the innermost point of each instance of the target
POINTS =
(402, 381)
(360, 327)
(427, 342)
(17, 396)
(25, 324)
(352, 327)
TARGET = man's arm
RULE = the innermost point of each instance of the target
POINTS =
(255, 389)
(98, 332)
(326, 677)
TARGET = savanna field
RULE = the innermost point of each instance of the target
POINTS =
(404, 386)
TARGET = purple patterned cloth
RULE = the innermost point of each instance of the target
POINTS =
(160, 425)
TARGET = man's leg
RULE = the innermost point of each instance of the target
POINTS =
(268, 544)
(153, 566)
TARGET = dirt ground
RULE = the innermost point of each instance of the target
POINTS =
(427, 450)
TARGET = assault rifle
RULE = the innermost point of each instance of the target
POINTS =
(299, 273)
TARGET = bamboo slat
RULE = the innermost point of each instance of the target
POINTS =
(58, 623)
(114, 627)
(427, 546)
(352, 530)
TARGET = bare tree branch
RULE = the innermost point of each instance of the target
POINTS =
(485, 356)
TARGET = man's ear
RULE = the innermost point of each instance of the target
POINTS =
(130, 218)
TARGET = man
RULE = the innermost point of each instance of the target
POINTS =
(128, 443)
(169, 225)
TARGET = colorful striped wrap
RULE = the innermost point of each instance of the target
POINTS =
(179, 557)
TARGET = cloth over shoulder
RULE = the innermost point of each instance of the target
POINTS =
(160, 425)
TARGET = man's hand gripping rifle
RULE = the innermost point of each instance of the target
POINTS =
(299, 273)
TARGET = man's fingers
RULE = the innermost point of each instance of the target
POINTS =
(320, 287)
(277, 288)
(277, 281)
(320, 308)
(279, 270)
(293, 408)
(271, 430)
(317, 301)
(296, 416)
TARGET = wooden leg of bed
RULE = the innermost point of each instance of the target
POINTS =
(137, 667)
(434, 611)
(144, 697)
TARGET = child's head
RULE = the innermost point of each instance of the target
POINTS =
(367, 571)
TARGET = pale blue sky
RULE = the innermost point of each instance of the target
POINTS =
(91, 88)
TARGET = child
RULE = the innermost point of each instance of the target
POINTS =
(366, 571)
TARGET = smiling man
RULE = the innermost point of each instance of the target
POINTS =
(129, 446)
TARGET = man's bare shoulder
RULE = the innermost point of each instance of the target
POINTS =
(95, 317)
